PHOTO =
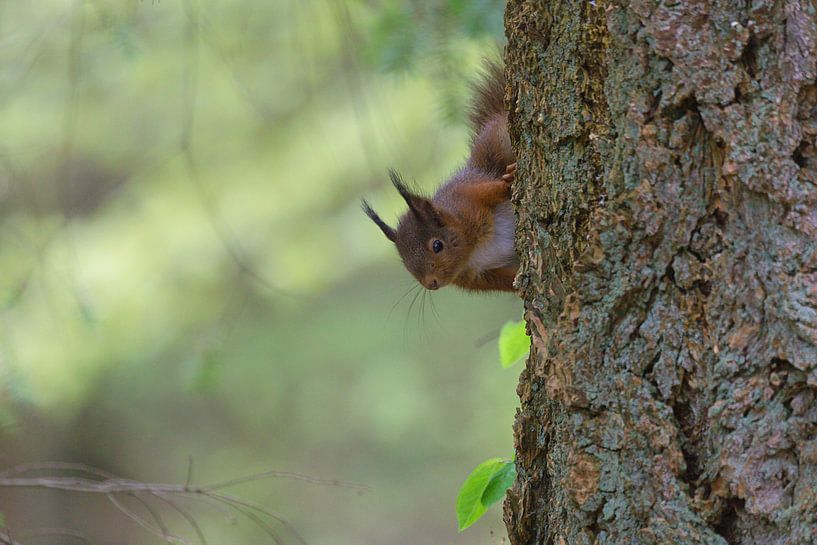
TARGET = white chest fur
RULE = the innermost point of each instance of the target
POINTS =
(497, 251)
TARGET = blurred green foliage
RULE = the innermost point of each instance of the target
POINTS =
(407, 33)
(431, 38)
(186, 271)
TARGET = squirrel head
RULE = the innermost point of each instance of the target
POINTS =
(428, 239)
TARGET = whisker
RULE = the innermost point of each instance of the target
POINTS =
(405, 293)
(429, 303)
(411, 306)
(421, 317)
(434, 309)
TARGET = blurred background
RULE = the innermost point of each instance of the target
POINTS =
(186, 272)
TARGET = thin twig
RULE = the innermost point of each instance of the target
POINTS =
(229, 516)
(287, 475)
(488, 337)
(191, 520)
(111, 486)
(96, 481)
(266, 528)
(235, 502)
(160, 523)
(134, 517)
(57, 466)
(58, 532)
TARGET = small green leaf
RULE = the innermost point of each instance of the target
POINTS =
(499, 484)
(469, 501)
(514, 344)
(2, 521)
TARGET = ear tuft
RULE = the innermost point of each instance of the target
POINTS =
(398, 183)
(388, 231)
(422, 208)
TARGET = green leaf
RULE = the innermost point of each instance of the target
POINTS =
(499, 484)
(514, 344)
(2, 521)
(469, 501)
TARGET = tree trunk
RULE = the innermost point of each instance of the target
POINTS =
(667, 203)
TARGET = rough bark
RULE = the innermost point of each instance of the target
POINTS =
(667, 203)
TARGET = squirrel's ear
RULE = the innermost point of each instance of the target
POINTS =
(400, 185)
(425, 210)
(420, 206)
(388, 231)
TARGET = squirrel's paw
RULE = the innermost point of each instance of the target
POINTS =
(510, 173)
(508, 178)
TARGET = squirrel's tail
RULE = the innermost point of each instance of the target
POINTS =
(488, 94)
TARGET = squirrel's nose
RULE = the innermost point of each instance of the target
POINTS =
(432, 284)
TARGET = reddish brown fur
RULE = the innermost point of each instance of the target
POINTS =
(463, 211)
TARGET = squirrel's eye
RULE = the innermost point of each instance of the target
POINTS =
(437, 246)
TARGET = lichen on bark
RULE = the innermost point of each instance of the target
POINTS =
(667, 204)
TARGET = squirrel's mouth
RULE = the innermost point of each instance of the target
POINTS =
(433, 283)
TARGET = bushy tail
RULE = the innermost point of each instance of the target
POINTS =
(488, 95)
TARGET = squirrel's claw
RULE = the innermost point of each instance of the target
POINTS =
(510, 173)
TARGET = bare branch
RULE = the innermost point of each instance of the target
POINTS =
(160, 523)
(244, 504)
(185, 515)
(155, 530)
(57, 466)
(258, 522)
(58, 532)
(288, 475)
(110, 486)
(95, 481)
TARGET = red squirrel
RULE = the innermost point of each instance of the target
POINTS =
(464, 234)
